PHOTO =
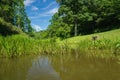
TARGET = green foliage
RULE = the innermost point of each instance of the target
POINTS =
(39, 35)
(85, 17)
(13, 11)
(18, 45)
(58, 28)
(107, 44)
(8, 29)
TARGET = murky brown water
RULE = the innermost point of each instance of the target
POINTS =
(62, 67)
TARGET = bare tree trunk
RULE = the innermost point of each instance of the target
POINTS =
(75, 33)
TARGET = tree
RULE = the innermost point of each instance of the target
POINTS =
(58, 28)
(13, 11)
(86, 16)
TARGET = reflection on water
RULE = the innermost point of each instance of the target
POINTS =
(62, 67)
(72, 68)
(42, 69)
(14, 69)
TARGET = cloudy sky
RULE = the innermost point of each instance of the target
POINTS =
(40, 12)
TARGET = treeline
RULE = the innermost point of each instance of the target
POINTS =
(13, 12)
(79, 17)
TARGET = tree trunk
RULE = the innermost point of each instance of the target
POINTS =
(75, 33)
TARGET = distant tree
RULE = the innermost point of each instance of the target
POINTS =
(58, 28)
(13, 11)
(78, 17)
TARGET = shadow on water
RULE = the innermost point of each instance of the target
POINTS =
(59, 67)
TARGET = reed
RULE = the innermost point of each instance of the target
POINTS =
(19, 45)
(104, 45)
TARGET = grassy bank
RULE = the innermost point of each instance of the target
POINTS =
(106, 44)
(99, 44)
(20, 45)
(16, 45)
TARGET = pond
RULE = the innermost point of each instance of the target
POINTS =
(59, 67)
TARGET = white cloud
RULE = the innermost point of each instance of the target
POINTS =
(34, 8)
(49, 5)
(28, 2)
(49, 13)
(36, 27)
(52, 11)
(44, 0)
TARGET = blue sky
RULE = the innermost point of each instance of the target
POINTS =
(40, 12)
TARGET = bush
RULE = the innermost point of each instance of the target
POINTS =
(8, 29)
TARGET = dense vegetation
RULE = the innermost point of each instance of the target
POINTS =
(8, 29)
(12, 14)
(107, 44)
(78, 17)
(74, 17)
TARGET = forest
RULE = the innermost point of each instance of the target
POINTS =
(73, 18)
(81, 17)
(12, 15)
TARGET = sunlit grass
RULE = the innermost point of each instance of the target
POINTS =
(107, 44)
(19, 45)
(16, 45)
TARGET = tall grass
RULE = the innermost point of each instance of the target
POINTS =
(16, 45)
(19, 45)
(106, 45)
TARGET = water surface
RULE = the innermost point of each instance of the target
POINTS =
(61, 67)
